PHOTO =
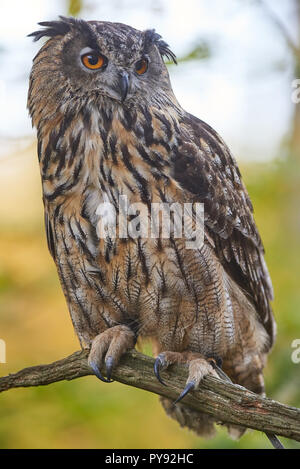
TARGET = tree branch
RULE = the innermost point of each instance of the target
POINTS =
(281, 27)
(226, 402)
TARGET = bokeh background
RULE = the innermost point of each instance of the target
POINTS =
(237, 63)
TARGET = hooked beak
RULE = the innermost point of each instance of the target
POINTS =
(123, 85)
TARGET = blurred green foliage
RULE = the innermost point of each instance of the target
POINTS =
(74, 7)
(200, 51)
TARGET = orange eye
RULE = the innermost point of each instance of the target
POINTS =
(93, 60)
(141, 66)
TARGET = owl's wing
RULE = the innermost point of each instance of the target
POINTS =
(203, 166)
(49, 235)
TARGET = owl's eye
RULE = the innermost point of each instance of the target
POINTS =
(141, 66)
(93, 60)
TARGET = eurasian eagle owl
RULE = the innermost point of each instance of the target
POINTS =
(109, 126)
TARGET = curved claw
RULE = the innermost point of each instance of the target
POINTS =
(222, 375)
(219, 362)
(216, 363)
(189, 387)
(97, 372)
(109, 363)
(157, 366)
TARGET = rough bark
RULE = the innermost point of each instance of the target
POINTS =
(228, 403)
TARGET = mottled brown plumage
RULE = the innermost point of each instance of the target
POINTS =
(115, 131)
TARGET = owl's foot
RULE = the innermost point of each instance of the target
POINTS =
(109, 346)
(198, 368)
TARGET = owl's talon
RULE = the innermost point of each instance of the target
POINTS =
(216, 363)
(158, 365)
(108, 347)
(198, 366)
(109, 364)
(190, 386)
(221, 374)
(97, 372)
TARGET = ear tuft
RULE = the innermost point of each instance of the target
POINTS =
(52, 28)
(151, 37)
(60, 28)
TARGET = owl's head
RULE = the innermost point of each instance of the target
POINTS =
(94, 58)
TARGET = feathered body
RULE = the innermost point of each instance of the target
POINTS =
(94, 147)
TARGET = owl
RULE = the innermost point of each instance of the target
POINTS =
(109, 129)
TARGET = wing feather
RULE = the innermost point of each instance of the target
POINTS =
(203, 166)
(49, 236)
